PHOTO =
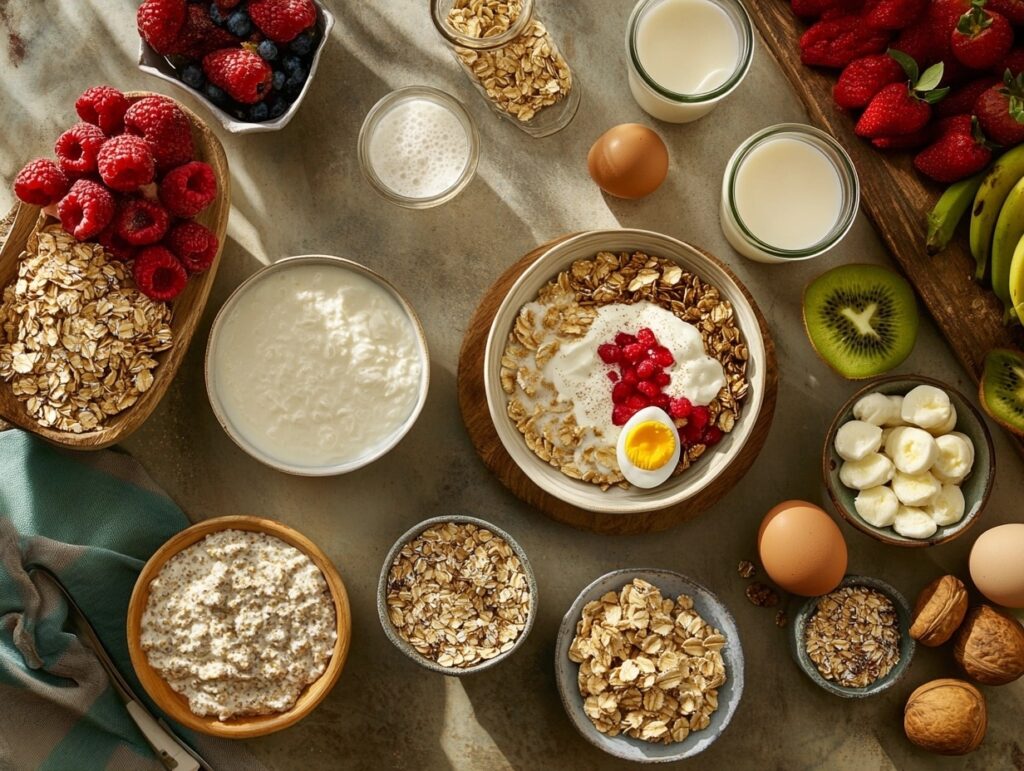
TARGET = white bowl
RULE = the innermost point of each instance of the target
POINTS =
(281, 464)
(705, 470)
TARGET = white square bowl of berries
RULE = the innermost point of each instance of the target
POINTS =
(249, 61)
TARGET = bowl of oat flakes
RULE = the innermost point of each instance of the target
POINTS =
(602, 328)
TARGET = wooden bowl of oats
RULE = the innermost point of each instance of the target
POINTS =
(551, 393)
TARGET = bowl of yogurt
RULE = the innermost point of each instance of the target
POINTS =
(317, 366)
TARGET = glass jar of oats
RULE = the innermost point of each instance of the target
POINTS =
(513, 61)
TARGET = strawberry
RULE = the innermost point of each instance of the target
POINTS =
(837, 40)
(862, 78)
(961, 100)
(1013, 10)
(1014, 62)
(955, 155)
(893, 14)
(904, 141)
(902, 108)
(814, 9)
(1000, 111)
(982, 38)
(921, 42)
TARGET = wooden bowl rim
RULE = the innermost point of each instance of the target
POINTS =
(247, 726)
(895, 539)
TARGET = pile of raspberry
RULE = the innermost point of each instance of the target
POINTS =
(251, 58)
(639, 380)
(125, 178)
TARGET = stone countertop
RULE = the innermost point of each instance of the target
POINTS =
(301, 191)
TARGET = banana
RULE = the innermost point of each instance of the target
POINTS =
(956, 458)
(948, 506)
(926, 406)
(1016, 282)
(988, 202)
(877, 505)
(857, 439)
(968, 442)
(916, 489)
(914, 523)
(949, 210)
(879, 409)
(1005, 239)
(871, 471)
(912, 450)
(946, 427)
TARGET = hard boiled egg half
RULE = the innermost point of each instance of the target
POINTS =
(648, 448)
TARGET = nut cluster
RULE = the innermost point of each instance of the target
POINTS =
(458, 594)
(650, 667)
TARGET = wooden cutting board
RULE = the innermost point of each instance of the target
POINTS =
(897, 199)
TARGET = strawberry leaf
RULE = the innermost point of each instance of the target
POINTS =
(1016, 108)
(930, 78)
(935, 95)
(907, 63)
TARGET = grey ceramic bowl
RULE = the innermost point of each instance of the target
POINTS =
(406, 648)
(976, 487)
(907, 644)
(154, 64)
(711, 610)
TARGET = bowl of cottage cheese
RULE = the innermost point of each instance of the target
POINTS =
(238, 626)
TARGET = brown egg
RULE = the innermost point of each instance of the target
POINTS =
(628, 161)
(802, 548)
(996, 565)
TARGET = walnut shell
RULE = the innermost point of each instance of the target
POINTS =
(946, 716)
(990, 646)
(940, 609)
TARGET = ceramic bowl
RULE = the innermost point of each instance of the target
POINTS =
(976, 488)
(710, 609)
(707, 468)
(798, 649)
(154, 64)
(173, 704)
(405, 647)
(283, 464)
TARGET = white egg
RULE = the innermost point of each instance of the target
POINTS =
(648, 456)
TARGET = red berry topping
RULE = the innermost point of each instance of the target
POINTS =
(41, 183)
(699, 417)
(647, 388)
(620, 392)
(243, 74)
(646, 337)
(76, 149)
(282, 20)
(662, 379)
(116, 246)
(713, 435)
(125, 162)
(629, 376)
(623, 339)
(103, 106)
(662, 401)
(645, 370)
(636, 402)
(159, 23)
(691, 433)
(680, 408)
(86, 210)
(633, 352)
(158, 273)
(621, 414)
(663, 357)
(141, 222)
(613, 376)
(609, 353)
(162, 123)
(188, 189)
(194, 245)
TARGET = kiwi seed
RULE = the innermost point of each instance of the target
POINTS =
(1002, 388)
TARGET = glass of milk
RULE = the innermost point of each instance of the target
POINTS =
(685, 56)
(418, 147)
(790, 192)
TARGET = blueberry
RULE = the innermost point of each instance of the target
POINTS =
(192, 75)
(267, 50)
(216, 95)
(239, 24)
(278, 80)
(294, 84)
(217, 15)
(277, 105)
(303, 44)
(259, 112)
(291, 64)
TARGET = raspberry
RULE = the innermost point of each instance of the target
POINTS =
(613, 376)
(226, 5)
(629, 376)
(647, 388)
(116, 246)
(636, 402)
(691, 433)
(188, 189)
(103, 106)
(199, 35)
(141, 222)
(76, 149)
(86, 210)
(623, 339)
(662, 379)
(609, 353)
(646, 338)
(125, 163)
(620, 392)
(699, 417)
(242, 74)
(282, 20)
(161, 122)
(662, 401)
(712, 436)
(158, 273)
(680, 408)
(193, 245)
(621, 414)
(633, 353)
(645, 369)
(41, 183)
(159, 22)
(663, 357)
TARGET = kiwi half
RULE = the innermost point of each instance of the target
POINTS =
(861, 319)
(1002, 389)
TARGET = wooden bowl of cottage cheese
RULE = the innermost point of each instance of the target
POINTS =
(238, 627)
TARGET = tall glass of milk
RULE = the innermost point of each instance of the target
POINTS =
(790, 192)
(685, 56)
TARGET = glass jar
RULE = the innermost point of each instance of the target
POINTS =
(512, 60)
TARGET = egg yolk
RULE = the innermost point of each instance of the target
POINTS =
(650, 445)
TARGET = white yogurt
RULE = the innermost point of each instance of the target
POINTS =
(316, 366)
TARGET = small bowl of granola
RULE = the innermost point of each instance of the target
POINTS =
(649, 665)
(625, 372)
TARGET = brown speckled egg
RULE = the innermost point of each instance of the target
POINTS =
(628, 161)
(802, 548)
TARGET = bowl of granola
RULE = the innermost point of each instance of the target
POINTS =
(625, 371)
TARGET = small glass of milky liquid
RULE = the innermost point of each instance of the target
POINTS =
(790, 192)
(685, 56)
(418, 147)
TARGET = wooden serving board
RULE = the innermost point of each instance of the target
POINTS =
(897, 199)
(477, 418)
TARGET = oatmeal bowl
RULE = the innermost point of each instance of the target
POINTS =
(238, 627)
(626, 372)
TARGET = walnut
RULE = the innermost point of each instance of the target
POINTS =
(940, 609)
(946, 716)
(990, 646)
